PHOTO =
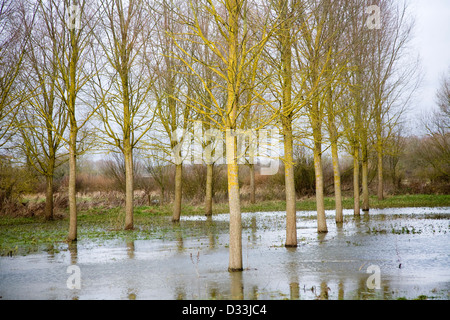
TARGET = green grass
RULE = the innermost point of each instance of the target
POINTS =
(399, 201)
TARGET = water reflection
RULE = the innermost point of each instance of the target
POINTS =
(341, 290)
(294, 291)
(179, 240)
(324, 266)
(237, 286)
(130, 249)
(292, 272)
(323, 290)
(73, 250)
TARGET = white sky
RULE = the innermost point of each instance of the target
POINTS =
(432, 41)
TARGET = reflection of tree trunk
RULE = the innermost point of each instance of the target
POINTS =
(209, 191)
(73, 250)
(337, 183)
(294, 290)
(178, 190)
(340, 290)
(237, 287)
(252, 183)
(49, 197)
(130, 249)
(356, 208)
(324, 290)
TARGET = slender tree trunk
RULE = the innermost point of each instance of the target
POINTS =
(379, 147)
(316, 122)
(129, 188)
(356, 206)
(49, 197)
(72, 90)
(252, 183)
(178, 193)
(291, 214)
(161, 196)
(286, 120)
(321, 219)
(235, 259)
(337, 183)
(72, 187)
(380, 173)
(339, 217)
(209, 189)
(365, 179)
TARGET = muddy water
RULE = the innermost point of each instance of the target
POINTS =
(410, 246)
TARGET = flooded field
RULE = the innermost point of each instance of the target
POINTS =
(408, 248)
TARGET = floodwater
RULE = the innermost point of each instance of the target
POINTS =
(408, 248)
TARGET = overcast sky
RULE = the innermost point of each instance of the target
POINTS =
(432, 40)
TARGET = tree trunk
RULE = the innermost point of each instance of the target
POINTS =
(252, 183)
(235, 262)
(365, 179)
(129, 188)
(291, 214)
(161, 196)
(379, 147)
(321, 219)
(178, 195)
(209, 189)
(337, 183)
(356, 207)
(380, 174)
(49, 197)
(71, 107)
(235, 258)
(286, 120)
(72, 187)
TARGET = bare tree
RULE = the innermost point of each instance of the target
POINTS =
(232, 48)
(14, 24)
(122, 83)
(43, 118)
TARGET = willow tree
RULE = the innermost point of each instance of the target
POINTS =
(172, 114)
(334, 90)
(14, 30)
(357, 118)
(285, 44)
(394, 75)
(43, 117)
(123, 83)
(313, 55)
(71, 24)
(278, 56)
(236, 57)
